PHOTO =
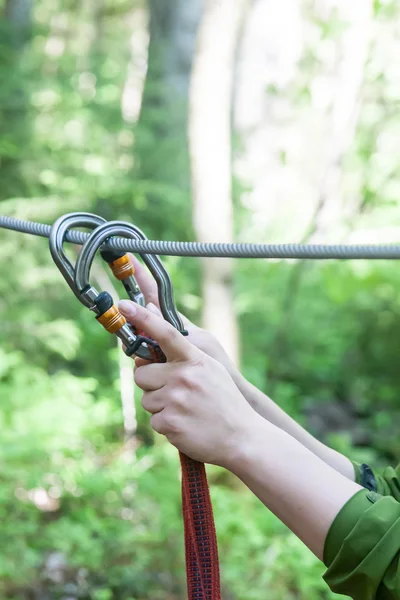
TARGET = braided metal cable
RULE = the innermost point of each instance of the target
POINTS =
(218, 250)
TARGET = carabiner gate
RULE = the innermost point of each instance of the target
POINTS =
(107, 313)
(102, 303)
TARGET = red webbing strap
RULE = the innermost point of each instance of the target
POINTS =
(201, 550)
(202, 564)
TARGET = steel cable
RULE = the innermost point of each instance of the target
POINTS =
(220, 250)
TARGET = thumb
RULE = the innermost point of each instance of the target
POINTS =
(170, 340)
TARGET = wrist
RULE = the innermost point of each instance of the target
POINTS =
(238, 378)
(245, 445)
(247, 390)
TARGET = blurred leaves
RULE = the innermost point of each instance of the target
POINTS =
(83, 514)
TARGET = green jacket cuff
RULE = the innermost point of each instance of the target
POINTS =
(345, 521)
(357, 472)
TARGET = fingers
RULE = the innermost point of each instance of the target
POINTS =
(152, 376)
(163, 422)
(146, 282)
(140, 362)
(186, 323)
(172, 343)
(157, 422)
(154, 309)
(153, 402)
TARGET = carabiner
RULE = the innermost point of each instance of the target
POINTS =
(119, 262)
(56, 243)
(123, 269)
(90, 297)
(106, 312)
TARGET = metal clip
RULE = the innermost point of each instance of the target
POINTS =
(123, 269)
(90, 297)
(107, 313)
(56, 242)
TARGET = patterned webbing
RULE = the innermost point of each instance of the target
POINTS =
(155, 351)
(202, 564)
(201, 549)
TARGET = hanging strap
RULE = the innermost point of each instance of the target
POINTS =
(202, 564)
(201, 548)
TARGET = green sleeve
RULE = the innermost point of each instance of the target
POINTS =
(387, 482)
(362, 549)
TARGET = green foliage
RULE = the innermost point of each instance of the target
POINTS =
(83, 513)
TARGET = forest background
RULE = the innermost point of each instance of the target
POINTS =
(246, 120)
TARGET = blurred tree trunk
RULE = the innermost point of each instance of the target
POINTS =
(163, 117)
(92, 58)
(352, 53)
(90, 34)
(18, 13)
(132, 94)
(173, 27)
(343, 118)
(15, 128)
(210, 153)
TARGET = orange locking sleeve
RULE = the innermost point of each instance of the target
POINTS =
(122, 267)
(112, 320)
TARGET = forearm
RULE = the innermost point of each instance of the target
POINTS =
(298, 487)
(265, 407)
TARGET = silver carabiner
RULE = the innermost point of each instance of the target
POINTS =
(56, 242)
(107, 313)
(118, 262)
(90, 297)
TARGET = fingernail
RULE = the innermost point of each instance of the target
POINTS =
(152, 308)
(127, 307)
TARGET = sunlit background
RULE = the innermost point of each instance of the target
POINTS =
(221, 120)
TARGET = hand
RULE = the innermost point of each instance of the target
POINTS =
(192, 398)
(199, 337)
